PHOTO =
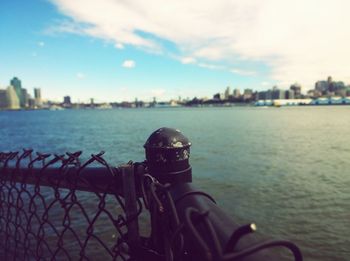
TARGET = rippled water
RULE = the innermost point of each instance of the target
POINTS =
(286, 169)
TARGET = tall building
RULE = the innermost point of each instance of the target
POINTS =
(278, 94)
(247, 94)
(297, 90)
(261, 95)
(16, 83)
(236, 93)
(12, 99)
(37, 97)
(24, 102)
(289, 94)
(66, 100)
(321, 86)
(3, 99)
(227, 92)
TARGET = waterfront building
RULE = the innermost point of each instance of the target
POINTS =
(31, 103)
(278, 94)
(261, 95)
(12, 98)
(24, 101)
(67, 100)
(37, 97)
(3, 99)
(269, 95)
(17, 84)
(236, 93)
(247, 94)
(219, 96)
(227, 93)
(321, 86)
(289, 94)
(297, 90)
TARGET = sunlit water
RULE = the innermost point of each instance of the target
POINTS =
(286, 169)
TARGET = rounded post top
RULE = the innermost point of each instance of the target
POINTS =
(167, 138)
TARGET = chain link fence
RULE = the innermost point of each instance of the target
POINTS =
(55, 207)
(59, 207)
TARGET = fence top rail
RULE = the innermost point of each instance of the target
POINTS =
(61, 171)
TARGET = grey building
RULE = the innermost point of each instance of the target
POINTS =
(17, 84)
(297, 90)
(278, 94)
(289, 94)
(236, 93)
(67, 100)
(24, 101)
(37, 97)
(3, 99)
(247, 94)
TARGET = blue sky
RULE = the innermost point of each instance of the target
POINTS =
(115, 50)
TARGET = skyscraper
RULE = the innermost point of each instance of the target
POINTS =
(16, 83)
(37, 97)
(236, 93)
(297, 90)
(3, 99)
(12, 98)
(24, 102)
(227, 92)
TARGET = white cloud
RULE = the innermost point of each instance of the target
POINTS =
(119, 46)
(187, 60)
(41, 44)
(129, 64)
(211, 66)
(34, 54)
(80, 75)
(243, 72)
(298, 40)
(265, 84)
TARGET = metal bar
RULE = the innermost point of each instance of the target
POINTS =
(129, 194)
(90, 179)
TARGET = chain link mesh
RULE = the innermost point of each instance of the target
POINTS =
(55, 223)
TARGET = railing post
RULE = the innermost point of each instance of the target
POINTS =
(130, 201)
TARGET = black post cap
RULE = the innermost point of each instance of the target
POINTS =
(167, 154)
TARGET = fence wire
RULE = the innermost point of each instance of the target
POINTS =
(58, 221)
(59, 207)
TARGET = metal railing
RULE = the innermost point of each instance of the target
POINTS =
(57, 207)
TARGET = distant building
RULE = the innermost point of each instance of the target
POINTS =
(24, 101)
(16, 83)
(247, 94)
(236, 93)
(261, 96)
(227, 93)
(3, 99)
(67, 100)
(268, 95)
(289, 94)
(321, 86)
(278, 94)
(12, 98)
(219, 96)
(37, 97)
(297, 90)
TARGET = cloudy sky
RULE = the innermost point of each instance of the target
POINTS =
(117, 50)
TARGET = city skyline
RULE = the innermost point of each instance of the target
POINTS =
(141, 50)
(328, 91)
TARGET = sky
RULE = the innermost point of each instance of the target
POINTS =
(115, 50)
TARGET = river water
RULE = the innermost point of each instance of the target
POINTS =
(286, 169)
